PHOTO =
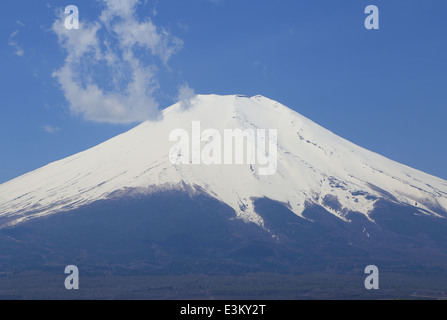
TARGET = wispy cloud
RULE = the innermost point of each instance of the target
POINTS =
(13, 43)
(51, 129)
(105, 77)
(185, 93)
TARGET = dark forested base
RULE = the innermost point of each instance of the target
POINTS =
(177, 246)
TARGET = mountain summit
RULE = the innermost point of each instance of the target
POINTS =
(314, 167)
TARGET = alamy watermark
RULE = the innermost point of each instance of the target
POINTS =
(236, 146)
(372, 20)
(372, 281)
(72, 20)
(72, 280)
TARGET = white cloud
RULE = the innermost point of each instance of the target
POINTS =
(78, 42)
(113, 43)
(13, 43)
(51, 129)
(120, 17)
(119, 8)
(185, 94)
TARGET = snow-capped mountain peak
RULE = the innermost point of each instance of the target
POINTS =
(313, 166)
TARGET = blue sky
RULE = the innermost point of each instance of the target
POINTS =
(385, 90)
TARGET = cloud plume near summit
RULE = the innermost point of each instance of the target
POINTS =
(111, 64)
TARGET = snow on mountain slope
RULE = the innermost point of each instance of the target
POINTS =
(314, 166)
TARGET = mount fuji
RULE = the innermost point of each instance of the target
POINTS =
(314, 167)
(330, 205)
